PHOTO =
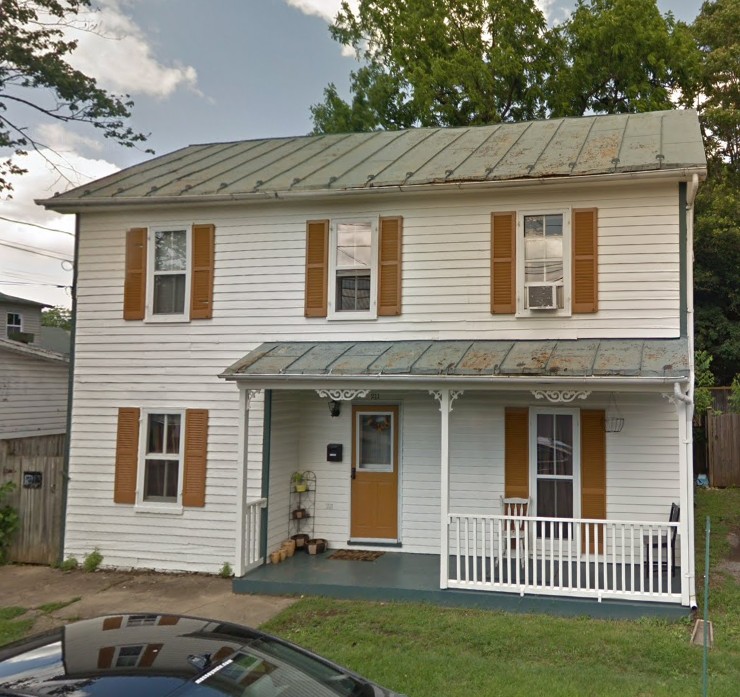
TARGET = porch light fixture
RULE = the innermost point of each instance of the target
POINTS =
(614, 421)
(335, 407)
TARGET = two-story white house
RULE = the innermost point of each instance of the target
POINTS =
(478, 339)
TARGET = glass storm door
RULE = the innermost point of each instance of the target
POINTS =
(555, 470)
(374, 514)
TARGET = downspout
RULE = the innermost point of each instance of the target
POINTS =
(693, 187)
(70, 390)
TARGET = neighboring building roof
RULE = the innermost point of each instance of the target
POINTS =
(11, 299)
(54, 339)
(269, 168)
(640, 358)
(32, 350)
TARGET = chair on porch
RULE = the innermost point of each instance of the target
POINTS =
(659, 540)
(517, 530)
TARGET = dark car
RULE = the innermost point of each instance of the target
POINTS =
(153, 654)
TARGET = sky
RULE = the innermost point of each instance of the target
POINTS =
(198, 72)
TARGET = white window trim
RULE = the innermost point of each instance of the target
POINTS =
(158, 506)
(521, 311)
(576, 414)
(8, 325)
(149, 314)
(372, 313)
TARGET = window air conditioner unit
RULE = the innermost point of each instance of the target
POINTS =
(542, 296)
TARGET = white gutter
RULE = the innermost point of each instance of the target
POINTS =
(61, 206)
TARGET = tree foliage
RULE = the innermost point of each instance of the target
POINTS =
(717, 32)
(620, 56)
(438, 63)
(716, 269)
(37, 81)
(57, 317)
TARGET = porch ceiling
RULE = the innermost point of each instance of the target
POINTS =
(648, 359)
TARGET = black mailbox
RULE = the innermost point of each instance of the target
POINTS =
(334, 452)
(32, 480)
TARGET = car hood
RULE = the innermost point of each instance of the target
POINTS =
(155, 654)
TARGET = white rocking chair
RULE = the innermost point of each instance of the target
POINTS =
(515, 532)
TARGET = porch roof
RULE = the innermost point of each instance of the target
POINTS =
(649, 359)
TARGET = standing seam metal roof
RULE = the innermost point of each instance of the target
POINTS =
(569, 147)
(639, 358)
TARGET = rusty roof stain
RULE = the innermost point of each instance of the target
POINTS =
(568, 148)
(641, 358)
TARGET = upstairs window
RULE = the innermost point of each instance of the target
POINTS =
(14, 323)
(353, 267)
(544, 268)
(170, 272)
(544, 262)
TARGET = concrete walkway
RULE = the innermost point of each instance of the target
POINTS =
(106, 592)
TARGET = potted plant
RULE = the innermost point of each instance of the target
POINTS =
(299, 483)
(299, 513)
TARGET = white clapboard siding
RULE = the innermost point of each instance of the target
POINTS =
(258, 296)
(33, 395)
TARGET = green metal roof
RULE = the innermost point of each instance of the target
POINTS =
(578, 358)
(274, 167)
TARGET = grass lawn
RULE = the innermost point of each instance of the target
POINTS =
(422, 650)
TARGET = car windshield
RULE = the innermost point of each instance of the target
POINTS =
(270, 669)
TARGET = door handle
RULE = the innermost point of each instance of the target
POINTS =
(354, 472)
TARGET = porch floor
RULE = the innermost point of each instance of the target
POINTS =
(398, 576)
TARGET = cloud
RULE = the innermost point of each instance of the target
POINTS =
(115, 50)
(321, 8)
(32, 275)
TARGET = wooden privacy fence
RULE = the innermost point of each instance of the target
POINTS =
(723, 441)
(35, 465)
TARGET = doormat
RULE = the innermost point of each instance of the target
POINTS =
(356, 555)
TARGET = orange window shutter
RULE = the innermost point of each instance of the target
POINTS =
(134, 284)
(127, 455)
(389, 276)
(105, 656)
(196, 451)
(593, 469)
(516, 453)
(317, 267)
(150, 655)
(585, 260)
(503, 263)
(112, 622)
(201, 284)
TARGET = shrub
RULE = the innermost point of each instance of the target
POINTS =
(69, 564)
(92, 561)
(226, 571)
(8, 520)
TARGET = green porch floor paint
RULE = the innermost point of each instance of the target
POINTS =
(415, 578)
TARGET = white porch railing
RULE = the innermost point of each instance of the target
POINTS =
(252, 533)
(554, 556)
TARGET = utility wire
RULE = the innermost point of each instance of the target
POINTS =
(37, 250)
(40, 227)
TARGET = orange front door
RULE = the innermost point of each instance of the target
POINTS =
(374, 473)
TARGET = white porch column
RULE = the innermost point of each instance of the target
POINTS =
(445, 399)
(444, 494)
(686, 496)
(241, 482)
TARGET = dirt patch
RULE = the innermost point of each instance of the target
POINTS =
(731, 565)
